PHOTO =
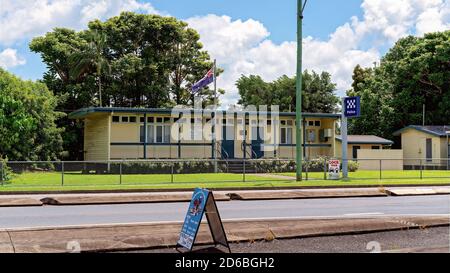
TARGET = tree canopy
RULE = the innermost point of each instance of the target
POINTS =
(154, 60)
(151, 60)
(317, 92)
(415, 72)
(27, 120)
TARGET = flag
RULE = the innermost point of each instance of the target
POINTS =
(207, 79)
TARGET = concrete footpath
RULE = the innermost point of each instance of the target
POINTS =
(164, 235)
(185, 196)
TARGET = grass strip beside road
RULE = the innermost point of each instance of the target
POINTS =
(45, 181)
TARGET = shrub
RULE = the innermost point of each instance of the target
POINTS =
(6, 173)
(157, 167)
(353, 166)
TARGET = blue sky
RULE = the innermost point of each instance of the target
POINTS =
(246, 36)
(322, 17)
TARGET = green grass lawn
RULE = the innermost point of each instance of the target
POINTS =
(52, 181)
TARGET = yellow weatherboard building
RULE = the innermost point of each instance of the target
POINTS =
(112, 133)
(425, 145)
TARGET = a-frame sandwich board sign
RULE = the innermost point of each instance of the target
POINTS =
(202, 202)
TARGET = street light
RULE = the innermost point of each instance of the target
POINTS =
(298, 109)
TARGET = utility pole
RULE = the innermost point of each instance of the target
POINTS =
(423, 114)
(344, 141)
(298, 108)
(214, 138)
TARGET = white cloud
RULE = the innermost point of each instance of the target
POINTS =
(9, 58)
(245, 47)
(228, 39)
(242, 47)
(21, 20)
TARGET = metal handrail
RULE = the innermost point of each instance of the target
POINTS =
(222, 151)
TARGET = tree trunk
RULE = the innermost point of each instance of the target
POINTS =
(100, 90)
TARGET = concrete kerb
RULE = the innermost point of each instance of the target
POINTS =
(161, 197)
(19, 202)
(164, 235)
(418, 191)
(123, 199)
(304, 194)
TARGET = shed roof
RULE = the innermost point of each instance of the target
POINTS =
(435, 130)
(365, 139)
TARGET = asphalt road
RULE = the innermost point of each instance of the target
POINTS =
(49, 216)
(430, 240)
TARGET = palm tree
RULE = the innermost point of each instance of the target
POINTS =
(93, 57)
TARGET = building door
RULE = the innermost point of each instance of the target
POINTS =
(355, 151)
(257, 143)
(429, 149)
(227, 142)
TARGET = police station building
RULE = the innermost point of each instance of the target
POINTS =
(142, 133)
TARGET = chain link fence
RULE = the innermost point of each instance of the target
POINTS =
(197, 172)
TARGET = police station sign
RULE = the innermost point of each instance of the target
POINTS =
(352, 107)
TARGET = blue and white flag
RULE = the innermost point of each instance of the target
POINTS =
(206, 80)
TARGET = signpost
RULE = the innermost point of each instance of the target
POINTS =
(333, 169)
(351, 108)
(202, 202)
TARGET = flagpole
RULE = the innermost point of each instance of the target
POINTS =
(214, 120)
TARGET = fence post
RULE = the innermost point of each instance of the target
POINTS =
(62, 173)
(306, 169)
(421, 169)
(1, 172)
(171, 172)
(380, 169)
(324, 169)
(120, 172)
(243, 173)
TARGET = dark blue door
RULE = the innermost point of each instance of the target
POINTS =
(227, 142)
(257, 143)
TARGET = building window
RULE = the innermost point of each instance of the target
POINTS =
(150, 119)
(196, 129)
(150, 133)
(124, 119)
(311, 123)
(141, 134)
(132, 119)
(162, 134)
(286, 135)
(116, 119)
(375, 147)
(317, 123)
(142, 119)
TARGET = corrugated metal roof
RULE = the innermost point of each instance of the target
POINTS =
(436, 130)
(365, 139)
(81, 113)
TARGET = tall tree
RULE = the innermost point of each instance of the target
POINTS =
(318, 92)
(415, 72)
(154, 60)
(27, 120)
(93, 57)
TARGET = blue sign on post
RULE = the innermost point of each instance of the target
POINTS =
(352, 107)
(193, 218)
